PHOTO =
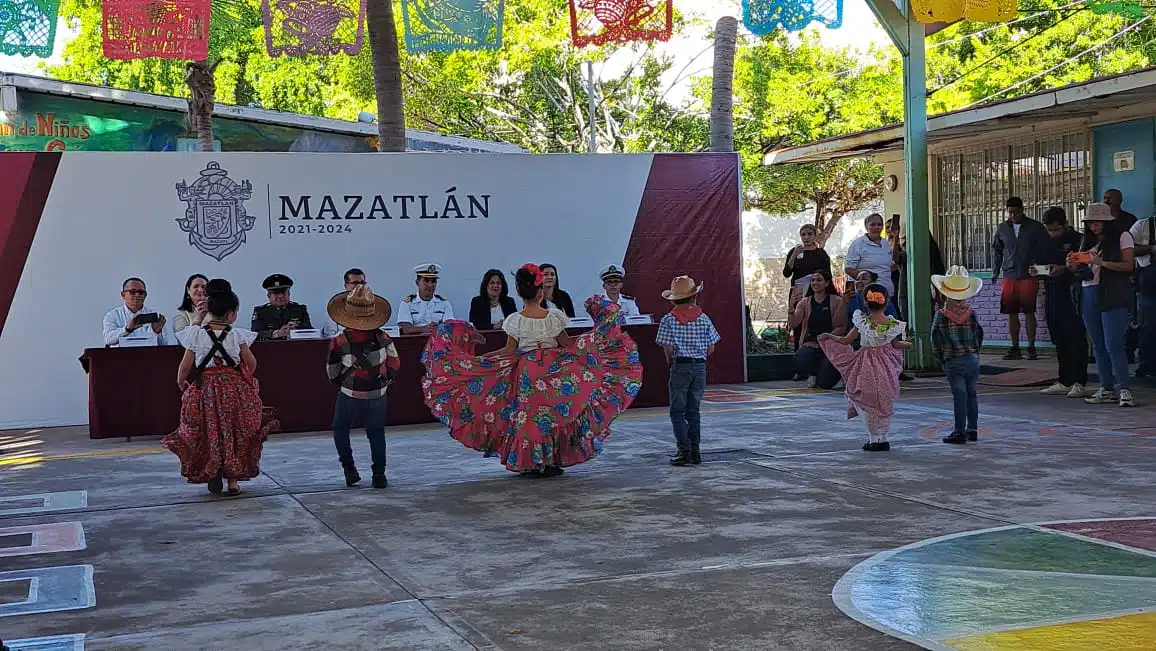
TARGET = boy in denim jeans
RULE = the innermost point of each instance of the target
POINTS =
(956, 338)
(362, 361)
(688, 336)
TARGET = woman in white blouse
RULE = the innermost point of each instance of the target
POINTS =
(193, 309)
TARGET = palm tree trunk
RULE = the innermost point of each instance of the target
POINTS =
(722, 129)
(386, 75)
(202, 96)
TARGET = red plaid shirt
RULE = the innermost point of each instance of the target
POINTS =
(361, 363)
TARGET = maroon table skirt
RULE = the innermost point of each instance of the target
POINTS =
(133, 391)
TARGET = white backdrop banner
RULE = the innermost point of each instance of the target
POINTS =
(243, 216)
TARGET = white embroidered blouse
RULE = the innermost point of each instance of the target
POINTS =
(870, 335)
(531, 333)
(195, 338)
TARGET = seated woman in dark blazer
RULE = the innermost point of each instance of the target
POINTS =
(493, 303)
(554, 296)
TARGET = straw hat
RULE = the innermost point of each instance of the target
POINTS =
(682, 287)
(359, 309)
(1098, 212)
(957, 284)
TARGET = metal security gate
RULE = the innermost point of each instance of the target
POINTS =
(973, 184)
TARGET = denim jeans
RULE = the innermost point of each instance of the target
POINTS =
(1107, 331)
(344, 412)
(687, 383)
(962, 376)
(812, 361)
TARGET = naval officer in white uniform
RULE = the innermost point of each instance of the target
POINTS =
(612, 276)
(419, 313)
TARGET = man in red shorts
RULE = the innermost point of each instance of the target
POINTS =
(1015, 248)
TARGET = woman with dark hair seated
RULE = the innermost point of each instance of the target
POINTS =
(553, 295)
(820, 312)
(493, 303)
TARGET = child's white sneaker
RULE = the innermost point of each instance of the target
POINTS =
(1126, 399)
(1077, 391)
(1056, 389)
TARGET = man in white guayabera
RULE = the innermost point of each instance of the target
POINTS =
(134, 324)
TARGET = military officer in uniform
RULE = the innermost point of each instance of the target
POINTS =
(419, 313)
(276, 318)
(612, 276)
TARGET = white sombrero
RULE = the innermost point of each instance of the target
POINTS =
(957, 284)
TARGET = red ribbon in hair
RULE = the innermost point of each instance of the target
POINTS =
(536, 271)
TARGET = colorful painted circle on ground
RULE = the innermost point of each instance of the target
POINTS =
(1059, 586)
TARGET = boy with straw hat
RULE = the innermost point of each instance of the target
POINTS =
(956, 338)
(688, 336)
(362, 361)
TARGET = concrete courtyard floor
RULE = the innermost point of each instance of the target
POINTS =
(624, 552)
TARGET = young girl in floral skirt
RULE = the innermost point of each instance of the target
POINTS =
(546, 400)
(871, 373)
(223, 423)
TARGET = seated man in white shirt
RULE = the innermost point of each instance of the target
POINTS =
(353, 278)
(133, 321)
(612, 277)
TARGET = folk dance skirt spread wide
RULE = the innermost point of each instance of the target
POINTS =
(223, 427)
(870, 379)
(544, 407)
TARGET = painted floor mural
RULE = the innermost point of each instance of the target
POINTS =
(1059, 586)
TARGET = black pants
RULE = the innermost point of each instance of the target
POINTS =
(812, 361)
(1069, 337)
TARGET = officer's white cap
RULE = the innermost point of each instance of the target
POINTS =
(612, 271)
(428, 270)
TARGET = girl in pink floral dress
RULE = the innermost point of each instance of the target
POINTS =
(546, 400)
(870, 374)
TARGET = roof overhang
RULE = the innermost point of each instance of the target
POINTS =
(34, 84)
(1102, 101)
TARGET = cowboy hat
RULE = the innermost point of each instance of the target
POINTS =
(1098, 212)
(682, 287)
(359, 309)
(957, 284)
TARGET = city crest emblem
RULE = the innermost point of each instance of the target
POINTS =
(215, 218)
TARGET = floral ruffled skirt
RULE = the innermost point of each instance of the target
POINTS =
(546, 407)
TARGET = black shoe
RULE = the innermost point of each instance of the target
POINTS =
(379, 481)
(955, 438)
(695, 457)
(1013, 353)
(681, 459)
(870, 446)
(883, 446)
(552, 471)
(1032, 353)
(972, 435)
(351, 475)
(216, 485)
(905, 377)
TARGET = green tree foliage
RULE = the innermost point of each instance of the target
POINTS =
(532, 92)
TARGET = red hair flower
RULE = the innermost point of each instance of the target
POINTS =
(536, 271)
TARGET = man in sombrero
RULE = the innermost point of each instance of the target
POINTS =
(362, 361)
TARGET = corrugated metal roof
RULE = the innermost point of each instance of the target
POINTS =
(31, 83)
(1100, 101)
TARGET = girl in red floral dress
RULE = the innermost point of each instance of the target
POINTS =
(545, 401)
(223, 424)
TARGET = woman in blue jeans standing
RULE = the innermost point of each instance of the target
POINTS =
(956, 338)
(1105, 293)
